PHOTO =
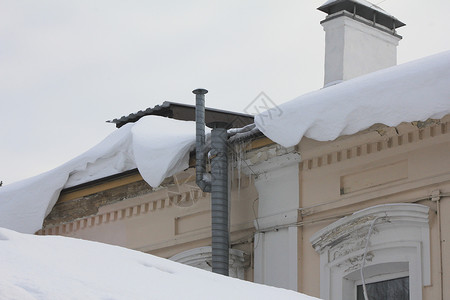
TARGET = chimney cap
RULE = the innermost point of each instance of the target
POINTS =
(364, 9)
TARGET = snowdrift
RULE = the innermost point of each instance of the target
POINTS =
(61, 268)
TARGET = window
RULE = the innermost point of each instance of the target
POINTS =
(393, 289)
(397, 258)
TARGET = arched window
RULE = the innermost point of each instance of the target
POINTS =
(397, 254)
(201, 258)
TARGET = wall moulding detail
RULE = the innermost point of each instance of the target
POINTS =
(421, 131)
(202, 258)
(269, 158)
(399, 243)
(184, 197)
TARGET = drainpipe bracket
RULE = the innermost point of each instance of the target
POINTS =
(435, 195)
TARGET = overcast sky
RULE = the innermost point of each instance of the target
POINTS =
(68, 66)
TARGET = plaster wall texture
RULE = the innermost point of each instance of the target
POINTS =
(271, 268)
(388, 171)
(278, 196)
(166, 221)
(276, 242)
(445, 237)
(293, 197)
(354, 48)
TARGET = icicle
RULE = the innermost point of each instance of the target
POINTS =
(238, 157)
(233, 157)
(239, 168)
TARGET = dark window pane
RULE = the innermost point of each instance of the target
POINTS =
(394, 289)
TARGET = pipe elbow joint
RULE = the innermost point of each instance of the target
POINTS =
(204, 185)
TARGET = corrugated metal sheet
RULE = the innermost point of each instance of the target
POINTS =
(186, 112)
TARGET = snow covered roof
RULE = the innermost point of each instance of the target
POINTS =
(158, 147)
(414, 91)
(55, 267)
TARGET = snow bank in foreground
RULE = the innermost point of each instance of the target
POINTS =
(53, 267)
(159, 147)
(413, 91)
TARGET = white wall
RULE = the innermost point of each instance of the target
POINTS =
(276, 244)
(353, 48)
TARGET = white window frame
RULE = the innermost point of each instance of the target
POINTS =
(400, 237)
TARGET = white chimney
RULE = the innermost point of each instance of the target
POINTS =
(360, 38)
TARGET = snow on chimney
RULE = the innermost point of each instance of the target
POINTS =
(360, 38)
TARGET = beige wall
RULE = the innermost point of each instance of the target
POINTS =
(164, 221)
(378, 166)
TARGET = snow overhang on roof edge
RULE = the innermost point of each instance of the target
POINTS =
(414, 91)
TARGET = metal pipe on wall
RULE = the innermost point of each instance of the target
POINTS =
(218, 185)
(200, 160)
(219, 199)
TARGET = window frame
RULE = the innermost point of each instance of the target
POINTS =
(381, 278)
(400, 237)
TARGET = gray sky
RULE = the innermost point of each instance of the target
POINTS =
(68, 66)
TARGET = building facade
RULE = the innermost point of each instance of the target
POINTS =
(323, 218)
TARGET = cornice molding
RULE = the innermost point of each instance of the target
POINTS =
(270, 158)
(186, 196)
(389, 138)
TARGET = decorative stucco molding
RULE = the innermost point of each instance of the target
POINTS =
(202, 257)
(270, 158)
(181, 196)
(400, 243)
(389, 138)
